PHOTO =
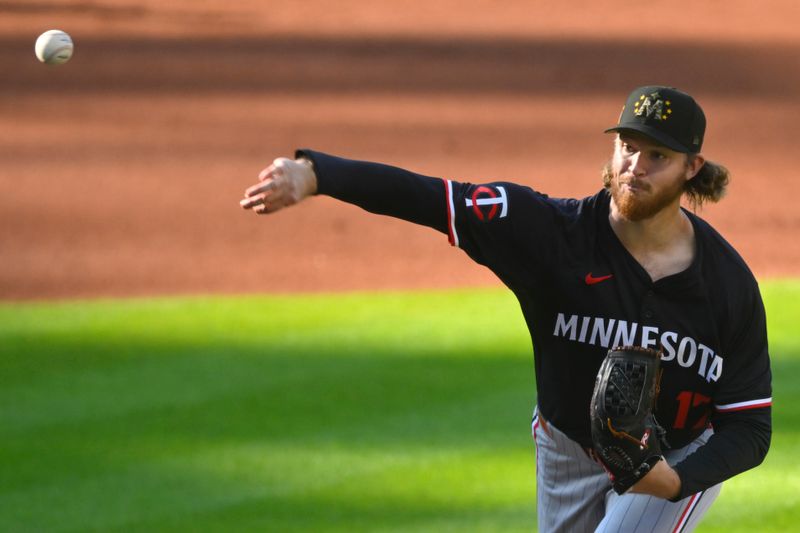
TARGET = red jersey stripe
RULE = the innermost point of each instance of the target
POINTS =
(740, 406)
(452, 236)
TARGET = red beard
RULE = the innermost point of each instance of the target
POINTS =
(643, 204)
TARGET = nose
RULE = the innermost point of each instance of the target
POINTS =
(637, 164)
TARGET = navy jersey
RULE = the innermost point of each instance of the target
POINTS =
(581, 293)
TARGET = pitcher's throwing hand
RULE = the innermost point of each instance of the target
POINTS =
(285, 182)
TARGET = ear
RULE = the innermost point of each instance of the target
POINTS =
(693, 165)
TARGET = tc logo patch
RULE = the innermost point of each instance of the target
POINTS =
(486, 202)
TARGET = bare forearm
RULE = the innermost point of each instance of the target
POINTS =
(662, 481)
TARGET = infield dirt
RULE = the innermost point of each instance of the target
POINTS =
(121, 171)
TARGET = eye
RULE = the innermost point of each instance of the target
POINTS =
(628, 149)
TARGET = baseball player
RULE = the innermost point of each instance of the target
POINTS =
(627, 266)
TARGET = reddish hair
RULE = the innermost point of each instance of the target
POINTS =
(708, 185)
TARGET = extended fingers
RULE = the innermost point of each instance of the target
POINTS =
(266, 202)
(269, 206)
(270, 193)
(260, 192)
(267, 173)
(274, 170)
(260, 188)
(249, 203)
(254, 196)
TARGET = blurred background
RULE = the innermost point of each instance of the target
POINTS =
(121, 170)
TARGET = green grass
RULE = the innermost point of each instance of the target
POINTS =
(383, 412)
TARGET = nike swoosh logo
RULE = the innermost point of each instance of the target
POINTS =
(591, 280)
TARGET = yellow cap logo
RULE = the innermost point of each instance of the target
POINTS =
(652, 106)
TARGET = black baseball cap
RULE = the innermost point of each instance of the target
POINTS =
(666, 115)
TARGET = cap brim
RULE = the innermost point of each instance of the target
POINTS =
(658, 136)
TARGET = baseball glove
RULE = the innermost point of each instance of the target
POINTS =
(625, 434)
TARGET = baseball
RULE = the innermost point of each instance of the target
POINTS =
(54, 47)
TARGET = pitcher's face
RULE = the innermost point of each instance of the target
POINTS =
(647, 177)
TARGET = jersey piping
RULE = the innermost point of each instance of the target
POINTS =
(741, 406)
(452, 235)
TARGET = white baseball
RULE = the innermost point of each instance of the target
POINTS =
(54, 47)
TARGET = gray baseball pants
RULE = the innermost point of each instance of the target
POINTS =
(573, 493)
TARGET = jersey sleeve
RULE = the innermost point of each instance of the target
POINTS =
(500, 225)
(740, 442)
(381, 189)
(509, 228)
(742, 417)
(746, 380)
